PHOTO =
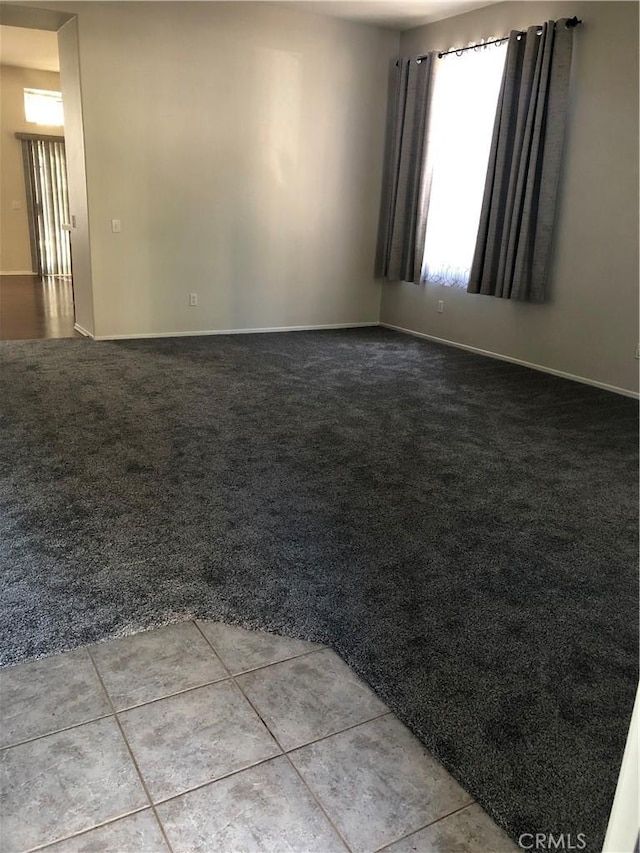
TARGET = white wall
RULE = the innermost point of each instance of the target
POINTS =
(240, 145)
(589, 325)
(623, 830)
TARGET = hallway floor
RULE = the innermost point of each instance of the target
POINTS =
(205, 737)
(33, 307)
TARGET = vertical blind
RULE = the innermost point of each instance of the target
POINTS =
(46, 177)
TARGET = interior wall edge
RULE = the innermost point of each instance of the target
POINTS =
(71, 86)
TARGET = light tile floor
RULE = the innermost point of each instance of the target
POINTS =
(206, 737)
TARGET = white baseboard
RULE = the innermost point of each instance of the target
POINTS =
(231, 331)
(624, 391)
(17, 272)
(82, 331)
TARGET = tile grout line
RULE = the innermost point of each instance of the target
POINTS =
(128, 708)
(210, 781)
(231, 677)
(318, 803)
(316, 740)
(165, 800)
(286, 757)
(80, 833)
(133, 758)
(115, 710)
(321, 648)
(286, 753)
(282, 754)
(211, 646)
(283, 660)
(114, 714)
(226, 677)
(424, 826)
(57, 731)
(365, 722)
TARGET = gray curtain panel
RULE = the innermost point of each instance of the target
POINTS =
(511, 259)
(405, 196)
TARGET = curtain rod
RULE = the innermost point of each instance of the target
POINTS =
(571, 22)
(39, 137)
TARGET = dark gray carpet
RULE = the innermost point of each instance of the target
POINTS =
(461, 530)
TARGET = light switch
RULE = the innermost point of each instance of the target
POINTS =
(116, 226)
(73, 222)
(16, 205)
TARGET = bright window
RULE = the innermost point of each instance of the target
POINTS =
(43, 107)
(463, 110)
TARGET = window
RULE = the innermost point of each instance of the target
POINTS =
(43, 107)
(463, 109)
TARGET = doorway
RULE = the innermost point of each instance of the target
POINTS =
(36, 285)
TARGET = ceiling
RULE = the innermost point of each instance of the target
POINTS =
(33, 48)
(395, 14)
(29, 48)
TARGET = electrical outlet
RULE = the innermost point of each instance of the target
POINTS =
(440, 306)
(116, 226)
(193, 299)
(73, 222)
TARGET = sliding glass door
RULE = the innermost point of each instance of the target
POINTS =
(45, 169)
